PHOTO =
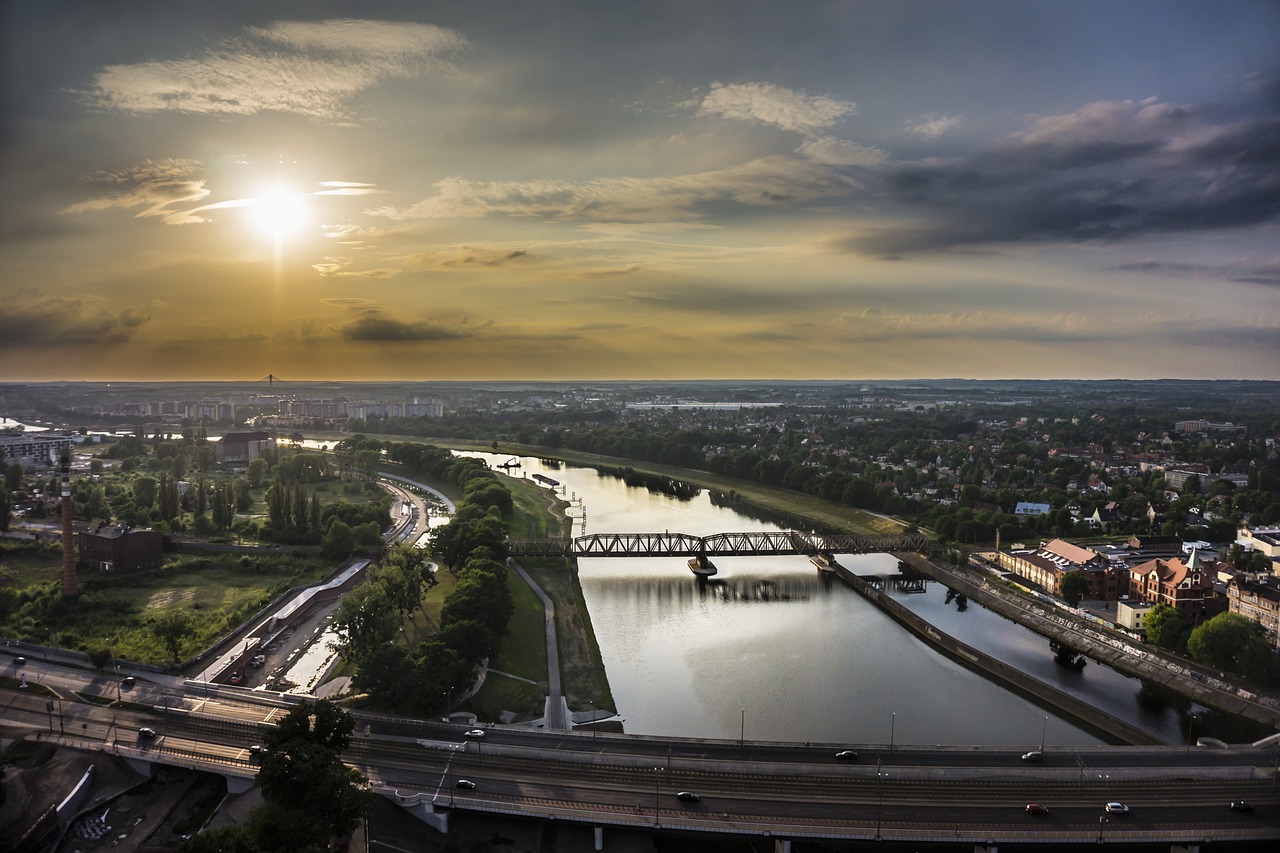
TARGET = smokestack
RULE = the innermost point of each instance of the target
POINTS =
(69, 586)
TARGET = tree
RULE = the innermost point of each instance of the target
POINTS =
(364, 621)
(221, 839)
(13, 476)
(145, 490)
(6, 507)
(1073, 588)
(1166, 628)
(338, 541)
(172, 627)
(1229, 641)
(309, 795)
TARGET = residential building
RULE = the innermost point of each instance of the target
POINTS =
(1132, 615)
(1186, 586)
(1047, 565)
(1264, 539)
(37, 449)
(1258, 598)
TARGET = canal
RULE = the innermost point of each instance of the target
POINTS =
(769, 649)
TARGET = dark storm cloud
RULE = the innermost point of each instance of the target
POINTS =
(1268, 274)
(378, 328)
(1098, 175)
(63, 322)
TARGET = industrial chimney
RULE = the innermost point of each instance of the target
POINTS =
(69, 586)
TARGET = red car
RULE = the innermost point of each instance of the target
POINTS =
(1036, 809)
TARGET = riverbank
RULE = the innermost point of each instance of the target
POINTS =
(792, 508)
(1062, 626)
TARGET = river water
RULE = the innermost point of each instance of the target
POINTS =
(769, 649)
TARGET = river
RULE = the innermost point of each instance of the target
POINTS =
(769, 649)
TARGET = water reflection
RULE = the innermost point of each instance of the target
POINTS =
(798, 653)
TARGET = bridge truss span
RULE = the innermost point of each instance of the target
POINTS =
(754, 543)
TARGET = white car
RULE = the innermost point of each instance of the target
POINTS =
(475, 733)
(1117, 808)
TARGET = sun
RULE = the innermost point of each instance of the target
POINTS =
(279, 213)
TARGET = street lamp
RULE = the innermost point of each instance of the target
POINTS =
(879, 797)
(1044, 728)
(1191, 724)
(893, 722)
(657, 777)
(1102, 824)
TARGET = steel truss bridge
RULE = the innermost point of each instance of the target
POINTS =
(758, 543)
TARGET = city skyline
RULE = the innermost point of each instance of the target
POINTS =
(843, 190)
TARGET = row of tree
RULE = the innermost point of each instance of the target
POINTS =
(474, 618)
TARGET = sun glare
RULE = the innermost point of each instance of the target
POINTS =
(279, 213)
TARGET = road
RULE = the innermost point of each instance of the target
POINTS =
(905, 791)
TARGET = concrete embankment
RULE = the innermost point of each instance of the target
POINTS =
(1148, 663)
(1086, 716)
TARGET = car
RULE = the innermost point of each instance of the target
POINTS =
(1036, 809)
(1117, 808)
(147, 733)
(1241, 806)
(847, 755)
(688, 797)
(256, 752)
(465, 784)
(1033, 757)
(475, 733)
(127, 681)
(20, 661)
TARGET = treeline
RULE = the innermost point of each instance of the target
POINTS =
(473, 621)
(175, 486)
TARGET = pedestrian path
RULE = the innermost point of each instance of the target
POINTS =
(555, 713)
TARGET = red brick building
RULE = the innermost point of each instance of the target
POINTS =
(119, 548)
(1187, 586)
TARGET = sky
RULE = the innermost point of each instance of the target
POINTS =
(573, 190)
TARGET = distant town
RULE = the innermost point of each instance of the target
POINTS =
(1130, 493)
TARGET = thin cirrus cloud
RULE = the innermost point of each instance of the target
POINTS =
(931, 125)
(775, 105)
(313, 69)
(154, 186)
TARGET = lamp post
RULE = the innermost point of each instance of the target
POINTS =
(879, 797)
(1191, 725)
(1102, 824)
(657, 777)
(742, 729)
(893, 723)
(1044, 728)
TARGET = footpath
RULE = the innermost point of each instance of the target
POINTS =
(1104, 644)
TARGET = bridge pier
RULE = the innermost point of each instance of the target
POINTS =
(1185, 848)
(420, 806)
(599, 838)
(239, 784)
(782, 845)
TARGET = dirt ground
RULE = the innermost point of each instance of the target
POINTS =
(125, 811)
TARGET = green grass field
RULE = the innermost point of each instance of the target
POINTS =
(216, 592)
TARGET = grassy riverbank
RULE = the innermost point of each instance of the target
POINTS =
(789, 506)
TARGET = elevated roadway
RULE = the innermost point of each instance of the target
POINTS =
(917, 793)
